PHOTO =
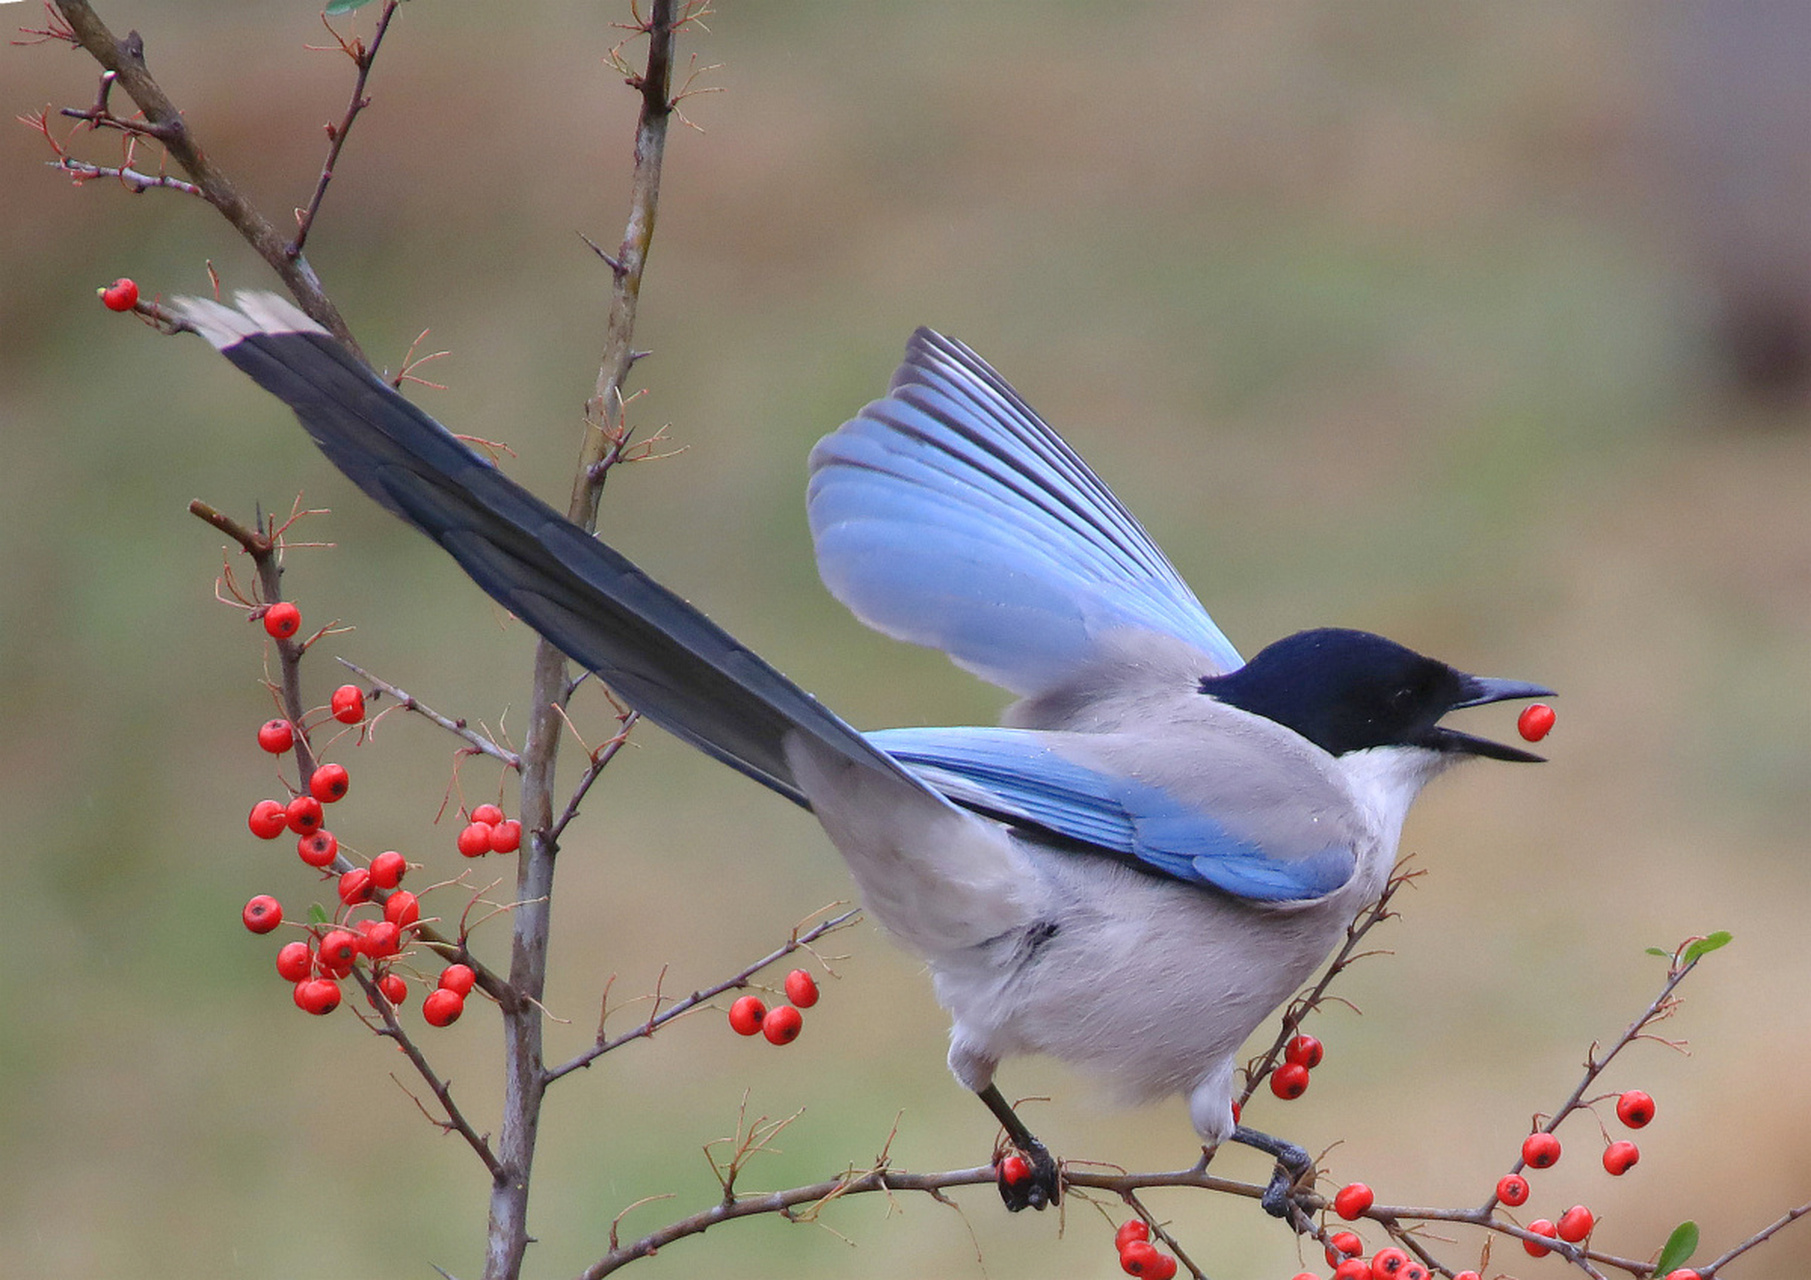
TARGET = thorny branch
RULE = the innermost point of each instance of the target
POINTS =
(455, 1121)
(164, 122)
(659, 1018)
(458, 728)
(362, 55)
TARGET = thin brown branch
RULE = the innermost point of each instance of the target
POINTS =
(598, 761)
(678, 1009)
(164, 121)
(458, 728)
(887, 1181)
(362, 55)
(1308, 1001)
(455, 1121)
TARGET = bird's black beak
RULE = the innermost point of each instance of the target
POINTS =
(1477, 691)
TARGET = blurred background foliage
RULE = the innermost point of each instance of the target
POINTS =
(1407, 316)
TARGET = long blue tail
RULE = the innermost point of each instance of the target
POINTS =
(661, 655)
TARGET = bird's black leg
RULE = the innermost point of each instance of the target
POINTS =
(1042, 1185)
(1292, 1165)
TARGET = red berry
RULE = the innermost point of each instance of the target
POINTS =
(276, 736)
(459, 978)
(1414, 1271)
(1620, 1157)
(262, 914)
(1540, 1227)
(318, 848)
(1684, 1273)
(1343, 1244)
(121, 295)
(318, 995)
(1289, 1081)
(1540, 1151)
(267, 820)
(1133, 1231)
(348, 704)
(1467, 1275)
(1512, 1189)
(1535, 722)
(303, 815)
(1304, 1051)
(1576, 1223)
(1353, 1269)
(282, 620)
(338, 950)
(294, 961)
(1305, 1275)
(1014, 1170)
(488, 814)
(379, 938)
(442, 1007)
(1139, 1258)
(746, 1014)
(1352, 1201)
(801, 988)
(355, 886)
(474, 839)
(506, 836)
(395, 988)
(1635, 1109)
(387, 869)
(1162, 1269)
(402, 908)
(1387, 1264)
(782, 1025)
(328, 783)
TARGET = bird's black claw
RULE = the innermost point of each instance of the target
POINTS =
(1293, 1164)
(1029, 1178)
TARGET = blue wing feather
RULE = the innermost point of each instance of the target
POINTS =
(1018, 775)
(950, 515)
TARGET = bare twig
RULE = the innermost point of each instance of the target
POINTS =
(164, 122)
(455, 1121)
(458, 728)
(740, 979)
(362, 55)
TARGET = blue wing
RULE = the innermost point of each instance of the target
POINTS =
(1016, 775)
(949, 515)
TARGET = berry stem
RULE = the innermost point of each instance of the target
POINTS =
(455, 1121)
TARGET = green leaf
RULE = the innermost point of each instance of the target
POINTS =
(1681, 1244)
(317, 914)
(1661, 952)
(346, 6)
(1704, 946)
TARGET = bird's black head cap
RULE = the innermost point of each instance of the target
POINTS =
(1349, 690)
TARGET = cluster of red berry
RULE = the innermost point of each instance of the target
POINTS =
(1345, 1254)
(317, 964)
(320, 962)
(1541, 1150)
(1300, 1056)
(781, 1024)
(488, 831)
(1137, 1255)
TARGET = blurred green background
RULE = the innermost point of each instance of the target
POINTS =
(1393, 316)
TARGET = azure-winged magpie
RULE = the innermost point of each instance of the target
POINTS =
(1151, 855)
